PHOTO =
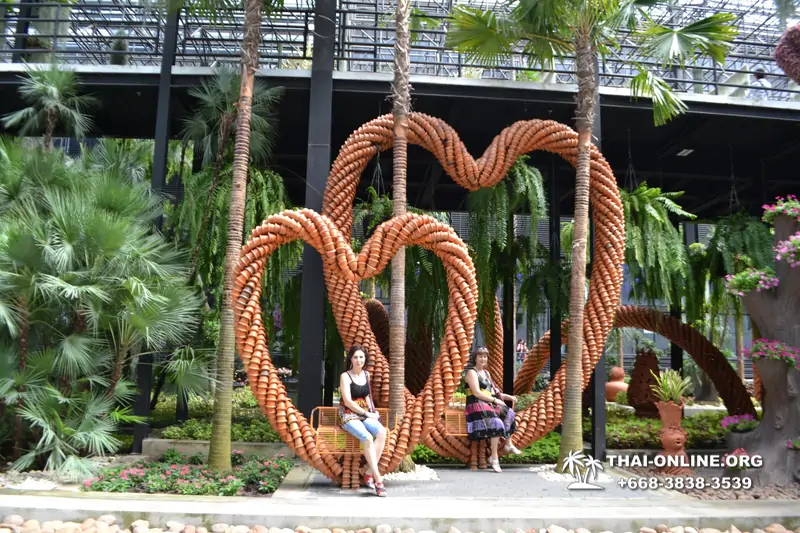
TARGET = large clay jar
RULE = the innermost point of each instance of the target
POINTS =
(640, 394)
(616, 384)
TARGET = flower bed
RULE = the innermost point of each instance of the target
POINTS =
(739, 423)
(774, 350)
(179, 474)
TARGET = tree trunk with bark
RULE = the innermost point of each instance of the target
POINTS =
(776, 312)
(49, 128)
(24, 333)
(219, 455)
(400, 111)
(572, 425)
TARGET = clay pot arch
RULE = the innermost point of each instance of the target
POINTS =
(443, 142)
(339, 261)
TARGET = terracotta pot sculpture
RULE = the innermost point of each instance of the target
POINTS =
(616, 384)
(670, 412)
(640, 393)
(673, 441)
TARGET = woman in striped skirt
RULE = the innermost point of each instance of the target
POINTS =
(488, 417)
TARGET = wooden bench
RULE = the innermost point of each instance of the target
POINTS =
(331, 439)
(455, 421)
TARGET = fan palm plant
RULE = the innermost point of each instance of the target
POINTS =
(583, 30)
(52, 95)
(87, 288)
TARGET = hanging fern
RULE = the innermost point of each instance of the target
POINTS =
(265, 196)
(738, 241)
(495, 250)
(654, 250)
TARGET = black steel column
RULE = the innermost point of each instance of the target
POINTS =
(555, 258)
(23, 23)
(598, 381)
(312, 294)
(675, 351)
(509, 332)
(144, 369)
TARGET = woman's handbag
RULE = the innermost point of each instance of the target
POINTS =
(371, 403)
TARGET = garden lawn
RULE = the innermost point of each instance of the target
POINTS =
(178, 474)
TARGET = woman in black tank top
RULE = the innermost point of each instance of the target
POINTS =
(358, 417)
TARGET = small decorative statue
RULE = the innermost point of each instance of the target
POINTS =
(640, 393)
(673, 440)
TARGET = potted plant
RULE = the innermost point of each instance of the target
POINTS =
(670, 388)
(793, 444)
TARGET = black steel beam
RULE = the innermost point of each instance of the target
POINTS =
(312, 294)
(144, 370)
(675, 351)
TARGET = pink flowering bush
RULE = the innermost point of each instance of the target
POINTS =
(751, 279)
(793, 444)
(790, 207)
(778, 351)
(175, 474)
(735, 465)
(789, 250)
(739, 423)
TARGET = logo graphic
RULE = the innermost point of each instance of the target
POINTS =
(582, 467)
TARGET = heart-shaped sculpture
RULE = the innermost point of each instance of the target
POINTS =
(518, 139)
(340, 262)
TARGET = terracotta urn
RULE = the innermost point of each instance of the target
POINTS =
(616, 384)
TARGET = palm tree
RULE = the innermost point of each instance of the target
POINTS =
(54, 101)
(583, 30)
(86, 287)
(211, 125)
(219, 455)
(401, 108)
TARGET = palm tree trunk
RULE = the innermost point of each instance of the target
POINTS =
(572, 430)
(49, 129)
(24, 329)
(224, 133)
(219, 455)
(400, 110)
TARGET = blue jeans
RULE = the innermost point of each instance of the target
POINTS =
(361, 429)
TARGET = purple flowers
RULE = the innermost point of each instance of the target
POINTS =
(767, 349)
(790, 207)
(790, 250)
(739, 423)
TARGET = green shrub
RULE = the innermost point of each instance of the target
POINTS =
(251, 431)
(622, 397)
(543, 451)
(525, 400)
(245, 408)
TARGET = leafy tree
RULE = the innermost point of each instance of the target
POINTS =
(52, 95)
(583, 30)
